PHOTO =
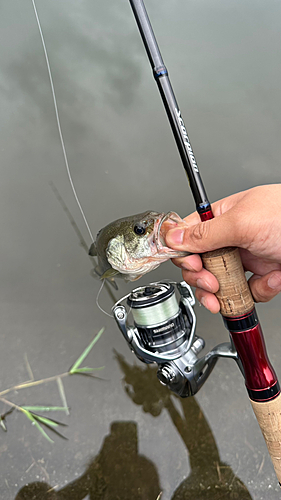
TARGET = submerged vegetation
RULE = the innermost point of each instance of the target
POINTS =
(41, 421)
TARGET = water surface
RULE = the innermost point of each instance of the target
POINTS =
(127, 436)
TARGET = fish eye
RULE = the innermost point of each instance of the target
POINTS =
(140, 229)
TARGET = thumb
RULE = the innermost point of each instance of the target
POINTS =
(265, 288)
(216, 233)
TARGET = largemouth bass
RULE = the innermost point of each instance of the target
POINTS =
(133, 246)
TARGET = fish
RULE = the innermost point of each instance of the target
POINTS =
(133, 246)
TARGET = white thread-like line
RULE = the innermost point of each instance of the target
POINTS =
(97, 301)
(58, 121)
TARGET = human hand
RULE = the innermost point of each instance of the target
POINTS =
(250, 220)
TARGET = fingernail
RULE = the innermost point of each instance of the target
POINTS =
(274, 282)
(200, 283)
(188, 267)
(176, 236)
(203, 301)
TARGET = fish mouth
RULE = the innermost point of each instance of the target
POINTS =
(166, 222)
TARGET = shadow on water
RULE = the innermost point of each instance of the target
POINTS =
(210, 478)
(119, 472)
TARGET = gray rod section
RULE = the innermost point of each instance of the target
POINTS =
(147, 34)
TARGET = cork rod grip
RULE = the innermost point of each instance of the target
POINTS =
(234, 294)
(236, 300)
(269, 418)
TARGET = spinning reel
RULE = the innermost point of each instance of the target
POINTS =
(163, 332)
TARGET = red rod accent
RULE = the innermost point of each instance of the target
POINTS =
(250, 346)
(206, 216)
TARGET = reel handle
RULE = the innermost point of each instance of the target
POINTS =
(238, 311)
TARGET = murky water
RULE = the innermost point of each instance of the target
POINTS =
(127, 436)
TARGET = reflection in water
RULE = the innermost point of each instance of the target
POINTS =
(118, 472)
(210, 478)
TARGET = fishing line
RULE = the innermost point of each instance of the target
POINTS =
(58, 121)
(157, 313)
(97, 301)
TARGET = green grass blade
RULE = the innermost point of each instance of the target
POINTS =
(50, 424)
(42, 431)
(85, 352)
(85, 369)
(48, 421)
(34, 421)
(44, 408)
(45, 420)
(81, 370)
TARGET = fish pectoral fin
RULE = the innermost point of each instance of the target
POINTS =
(96, 273)
(93, 250)
(133, 277)
(109, 277)
(109, 273)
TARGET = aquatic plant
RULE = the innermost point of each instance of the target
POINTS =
(40, 421)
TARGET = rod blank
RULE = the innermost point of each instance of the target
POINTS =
(160, 73)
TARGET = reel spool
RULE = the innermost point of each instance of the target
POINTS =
(160, 321)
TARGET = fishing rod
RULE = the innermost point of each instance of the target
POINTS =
(163, 330)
